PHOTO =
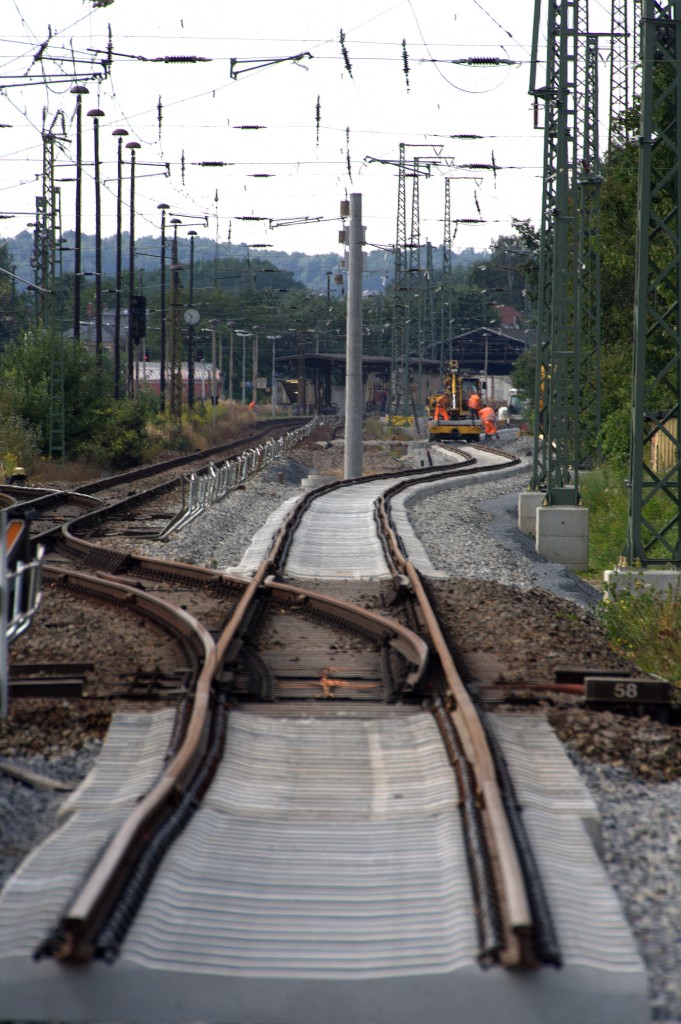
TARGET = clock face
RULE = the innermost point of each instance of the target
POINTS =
(191, 316)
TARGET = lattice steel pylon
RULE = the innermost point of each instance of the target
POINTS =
(47, 263)
(620, 77)
(625, 68)
(399, 377)
(588, 314)
(447, 288)
(555, 461)
(654, 520)
(406, 252)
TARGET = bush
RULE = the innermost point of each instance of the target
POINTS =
(646, 625)
(119, 437)
(18, 444)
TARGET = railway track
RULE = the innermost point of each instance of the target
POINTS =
(158, 488)
(293, 683)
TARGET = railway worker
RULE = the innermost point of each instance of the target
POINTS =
(441, 403)
(489, 422)
(474, 403)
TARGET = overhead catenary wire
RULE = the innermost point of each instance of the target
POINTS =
(344, 168)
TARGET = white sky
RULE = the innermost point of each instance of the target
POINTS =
(365, 113)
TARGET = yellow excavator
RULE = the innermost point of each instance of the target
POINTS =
(449, 416)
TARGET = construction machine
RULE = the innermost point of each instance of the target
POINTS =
(449, 416)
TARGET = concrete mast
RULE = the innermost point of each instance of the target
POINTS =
(353, 375)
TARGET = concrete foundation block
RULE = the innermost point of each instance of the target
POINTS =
(563, 535)
(528, 503)
(663, 581)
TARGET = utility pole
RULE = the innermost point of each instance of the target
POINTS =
(256, 335)
(175, 328)
(95, 115)
(79, 91)
(190, 332)
(353, 359)
(231, 325)
(120, 134)
(162, 377)
(132, 146)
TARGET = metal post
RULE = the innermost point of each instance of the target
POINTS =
(95, 115)
(120, 133)
(190, 332)
(213, 383)
(243, 335)
(162, 381)
(274, 338)
(231, 360)
(132, 146)
(79, 91)
(353, 375)
(254, 396)
(175, 329)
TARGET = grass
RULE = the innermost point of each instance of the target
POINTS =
(646, 625)
(643, 624)
(163, 435)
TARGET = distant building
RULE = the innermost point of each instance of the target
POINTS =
(88, 329)
(147, 374)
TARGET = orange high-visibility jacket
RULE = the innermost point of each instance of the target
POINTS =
(489, 420)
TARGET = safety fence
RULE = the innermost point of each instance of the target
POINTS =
(210, 485)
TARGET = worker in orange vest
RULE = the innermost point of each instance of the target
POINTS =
(441, 403)
(489, 422)
(474, 403)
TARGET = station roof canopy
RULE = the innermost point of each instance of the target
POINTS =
(483, 347)
(487, 348)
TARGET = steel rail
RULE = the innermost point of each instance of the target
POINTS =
(514, 903)
(75, 936)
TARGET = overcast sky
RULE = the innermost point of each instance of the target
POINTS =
(331, 121)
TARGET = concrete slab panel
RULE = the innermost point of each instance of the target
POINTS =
(562, 535)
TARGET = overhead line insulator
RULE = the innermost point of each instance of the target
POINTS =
(182, 60)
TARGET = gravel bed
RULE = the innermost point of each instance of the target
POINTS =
(641, 830)
(640, 818)
(27, 813)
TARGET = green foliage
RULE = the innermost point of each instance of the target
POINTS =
(26, 369)
(647, 626)
(644, 625)
(119, 436)
(18, 443)
(605, 494)
(513, 268)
